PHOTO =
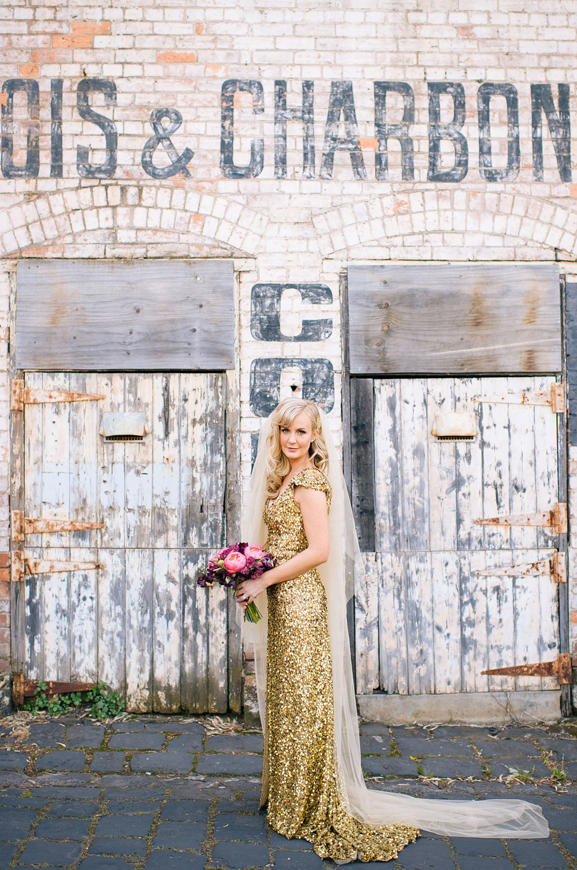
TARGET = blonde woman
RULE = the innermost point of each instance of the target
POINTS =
(312, 784)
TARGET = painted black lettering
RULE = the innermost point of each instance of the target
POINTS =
(559, 124)
(398, 131)
(227, 165)
(342, 102)
(32, 164)
(56, 128)
(318, 382)
(265, 309)
(161, 136)
(85, 168)
(451, 132)
(486, 168)
(305, 114)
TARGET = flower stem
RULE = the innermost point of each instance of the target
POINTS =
(252, 613)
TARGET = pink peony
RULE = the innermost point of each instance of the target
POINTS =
(253, 552)
(234, 562)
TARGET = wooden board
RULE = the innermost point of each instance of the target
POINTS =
(154, 314)
(447, 319)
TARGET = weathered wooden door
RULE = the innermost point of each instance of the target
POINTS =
(434, 608)
(139, 622)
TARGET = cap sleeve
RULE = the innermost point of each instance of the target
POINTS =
(312, 478)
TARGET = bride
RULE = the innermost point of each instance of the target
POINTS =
(312, 783)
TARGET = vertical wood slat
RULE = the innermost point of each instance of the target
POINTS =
(194, 659)
(414, 463)
(393, 652)
(165, 444)
(138, 466)
(367, 623)
(112, 644)
(440, 398)
(363, 460)
(388, 494)
(501, 622)
(419, 624)
(469, 470)
(446, 594)
(496, 478)
(138, 629)
(167, 630)
(83, 617)
(111, 464)
(33, 418)
(474, 622)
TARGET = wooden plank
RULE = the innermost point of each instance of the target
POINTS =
(110, 461)
(34, 438)
(233, 505)
(83, 618)
(84, 473)
(203, 460)
(165, 445)
(474, 647)
(500, 618)
(112, 650)
(547, 472)
(55, 628)
(194, 660)
(549, 644)
(156, 314)
(527, 621)
(414, 464)
(55, 460)
(419, 622)
(167, 631)
(367, 584)
(468, 470)
(393, 659)
(138, 466)
(522, 448)
(496, 478)
(138, 627)
(363, 460)
(217, 677)
(570, 299)
(388, 470)
(441, 469)
(449, 319)
(446, 615)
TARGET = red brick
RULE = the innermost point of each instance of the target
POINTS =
(176, 57)
(101, 28)
(72, 40)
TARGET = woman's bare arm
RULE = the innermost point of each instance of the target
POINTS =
(314, 510)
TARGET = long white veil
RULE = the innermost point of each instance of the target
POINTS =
(454, 818)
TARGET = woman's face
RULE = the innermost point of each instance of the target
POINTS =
(295, 438)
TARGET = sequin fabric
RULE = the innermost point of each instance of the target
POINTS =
(299, 775)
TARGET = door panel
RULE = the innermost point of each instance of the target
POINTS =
(139, 623)
(426, 622)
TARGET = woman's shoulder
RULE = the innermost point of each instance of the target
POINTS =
(312, 478)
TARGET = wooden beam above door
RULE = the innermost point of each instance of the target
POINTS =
(451, 319)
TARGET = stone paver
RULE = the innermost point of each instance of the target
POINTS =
(160, 793)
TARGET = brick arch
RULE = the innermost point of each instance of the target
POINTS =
(480, 219)
(63, 215)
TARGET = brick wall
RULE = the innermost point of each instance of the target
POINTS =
(473, 174)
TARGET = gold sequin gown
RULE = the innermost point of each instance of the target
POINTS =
(299, 779)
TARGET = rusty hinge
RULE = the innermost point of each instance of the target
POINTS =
(555, 519)
(21, 566)
(555, 567)
(554, 398)
(21, 395)
(559, 667)
(23, 688)
(22, 525)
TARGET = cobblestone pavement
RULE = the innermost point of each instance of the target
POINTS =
(165, 793)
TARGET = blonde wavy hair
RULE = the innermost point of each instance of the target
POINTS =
(278, 465)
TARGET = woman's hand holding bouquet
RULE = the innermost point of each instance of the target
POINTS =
(234, 565)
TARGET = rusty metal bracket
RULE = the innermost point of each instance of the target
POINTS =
(554, 567)
(22, 566)
(22, 525)
(559, 667)
(23, 688)
(555, 518)
(555, 398)
(21, 395)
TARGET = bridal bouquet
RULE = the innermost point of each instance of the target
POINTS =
(231, 566)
